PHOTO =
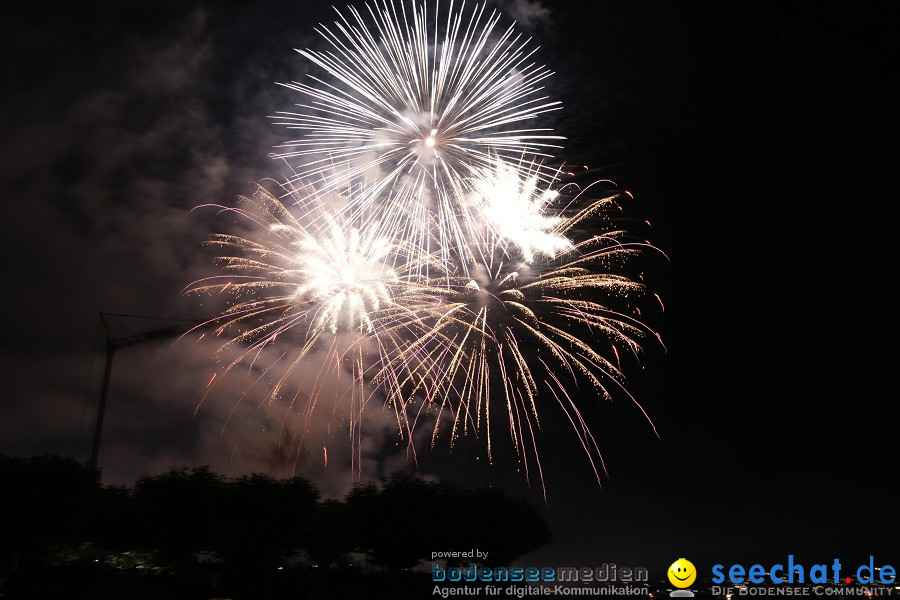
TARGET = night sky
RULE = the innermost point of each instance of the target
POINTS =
(755, 139)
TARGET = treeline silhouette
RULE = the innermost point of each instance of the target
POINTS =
(191, 533)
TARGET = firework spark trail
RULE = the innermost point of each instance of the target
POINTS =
(414, 110)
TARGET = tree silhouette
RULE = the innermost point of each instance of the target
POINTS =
(63, 527)
(381, 520)
(178, 513)
(406, 520)
(506, 527)
(263, 520)
(110, 521)
(331, 536)
(43, 499)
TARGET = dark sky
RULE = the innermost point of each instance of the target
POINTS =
(755, 139)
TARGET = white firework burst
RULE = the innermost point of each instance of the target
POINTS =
(346, 274)
(420, 250)
(412, 105)
(516, 211)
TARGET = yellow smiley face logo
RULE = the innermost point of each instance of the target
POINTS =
(682, 573)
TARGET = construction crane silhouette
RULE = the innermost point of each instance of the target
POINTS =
(112, 345)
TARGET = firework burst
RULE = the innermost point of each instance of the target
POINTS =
(413, 105)
(312, 281)
(513, 330)
(515, 213)
(421, 245)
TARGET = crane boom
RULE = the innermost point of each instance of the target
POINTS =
(113, 344)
